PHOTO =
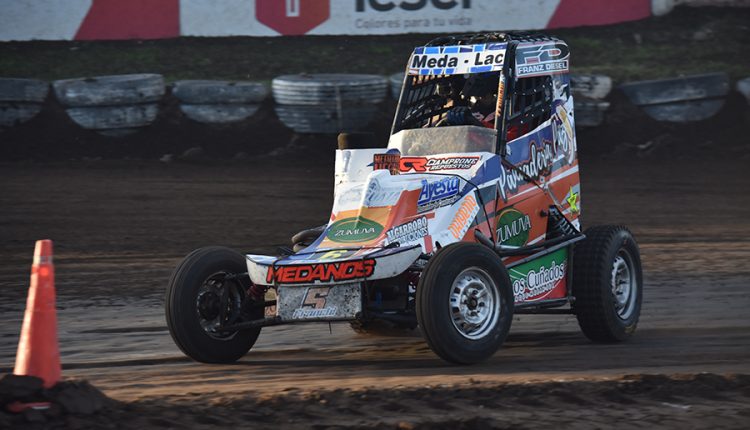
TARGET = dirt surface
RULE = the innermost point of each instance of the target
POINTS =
(120, 228)
(632, 401)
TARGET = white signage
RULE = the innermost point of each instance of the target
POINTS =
(450, 60)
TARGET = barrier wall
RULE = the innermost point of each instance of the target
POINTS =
(154, 19)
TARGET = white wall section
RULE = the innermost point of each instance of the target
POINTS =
(41, 19)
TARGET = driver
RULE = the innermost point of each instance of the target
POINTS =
(479, 99)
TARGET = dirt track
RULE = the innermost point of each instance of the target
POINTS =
(120, 227)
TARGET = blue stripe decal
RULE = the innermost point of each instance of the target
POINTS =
(489, 171)
(480, 69)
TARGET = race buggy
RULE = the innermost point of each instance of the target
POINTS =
(471, 214)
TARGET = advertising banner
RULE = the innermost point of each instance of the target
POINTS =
(154, 19)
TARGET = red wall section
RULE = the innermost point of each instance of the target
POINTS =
(572, 13)
(311, 14)
(131, 19)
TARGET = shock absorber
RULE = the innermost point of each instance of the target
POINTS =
(558, 225)
(256, 292)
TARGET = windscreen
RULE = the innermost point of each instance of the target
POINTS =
(444, 140)
(441, 78)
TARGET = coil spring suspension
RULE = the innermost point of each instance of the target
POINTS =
(256, 292)
(558, 225)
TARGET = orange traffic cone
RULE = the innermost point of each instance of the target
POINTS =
(38, 354)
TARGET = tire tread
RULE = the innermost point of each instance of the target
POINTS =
(591, 270)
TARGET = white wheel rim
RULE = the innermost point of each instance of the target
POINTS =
(474, 303)
(624, 284)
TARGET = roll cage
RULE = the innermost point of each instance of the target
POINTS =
(523, 103)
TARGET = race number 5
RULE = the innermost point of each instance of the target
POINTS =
(315, 298)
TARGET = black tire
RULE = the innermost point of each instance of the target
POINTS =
(181, 303)
(23, 90)
(202, 92)
(114, 90)
(325, 88)
(14, 113)
(435, 312)
(114, 117)
(599, 309)
(219, 113)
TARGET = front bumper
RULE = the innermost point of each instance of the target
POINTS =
(331, 266)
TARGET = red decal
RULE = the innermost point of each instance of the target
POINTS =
(418, 164)
(574, 13)
(428, 244)
(292, 17)
(323, 272)
(131, 19)
(390, 162)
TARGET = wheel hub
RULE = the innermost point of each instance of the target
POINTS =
(209, 304)
(624, 285)
(474, 303)
(218, 303)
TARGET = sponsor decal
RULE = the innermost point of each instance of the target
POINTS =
(353, 230)
(451, 60)
(513, 228)
(464, 217)
(292, 17)
(386, 15)
(437, 194)
(314, 304)
(349, 194)
(410, 231)
(385, 6)
(390, 162)
(541, 59)
(418, 164)
(535, 279)
(563, 133)
(322, 272)
(573, 201)
(376, 195)
(538, 164)
(423, 164)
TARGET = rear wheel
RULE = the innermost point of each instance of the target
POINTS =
(204, 294)
(607, 283)
(465, 303)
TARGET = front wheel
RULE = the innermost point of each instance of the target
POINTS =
(465, 303)
(607, 283)
(204, 294)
